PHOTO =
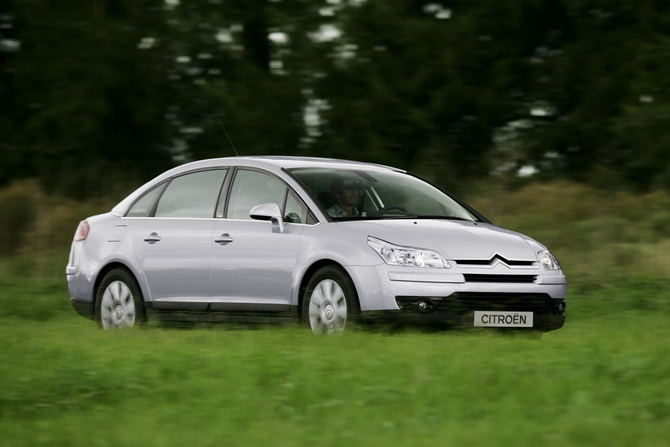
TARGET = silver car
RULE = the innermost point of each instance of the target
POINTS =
(321, 241)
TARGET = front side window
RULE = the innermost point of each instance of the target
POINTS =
(192, 195)
(295, 212)
(252, 188)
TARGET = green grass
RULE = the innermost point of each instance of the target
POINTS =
(601, 380)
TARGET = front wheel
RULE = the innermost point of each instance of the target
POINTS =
(329, 301)
(118, 301)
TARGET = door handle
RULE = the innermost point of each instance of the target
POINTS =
(224, 239)
(152, 238)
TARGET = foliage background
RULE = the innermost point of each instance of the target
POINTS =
(113, 92)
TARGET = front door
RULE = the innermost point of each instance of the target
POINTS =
(253, 264)
(254, 269)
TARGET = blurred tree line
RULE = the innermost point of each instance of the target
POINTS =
(105, 92)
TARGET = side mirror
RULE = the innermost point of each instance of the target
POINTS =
(271, 212)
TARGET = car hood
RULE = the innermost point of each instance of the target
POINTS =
(459, 240)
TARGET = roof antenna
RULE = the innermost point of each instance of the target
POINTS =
(224, 131)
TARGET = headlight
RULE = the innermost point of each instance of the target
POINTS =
(548, 261)
(407, 256)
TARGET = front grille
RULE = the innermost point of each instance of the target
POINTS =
(462, 303)
(492, 260)
(477, 277)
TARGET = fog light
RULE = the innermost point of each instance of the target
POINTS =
(425, 305)
(418, 304)
(561, 308)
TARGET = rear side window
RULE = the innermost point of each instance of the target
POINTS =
(144, 206)
(192, 195)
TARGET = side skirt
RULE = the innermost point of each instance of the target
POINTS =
(208, 315)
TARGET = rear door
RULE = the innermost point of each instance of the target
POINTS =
(174, 243)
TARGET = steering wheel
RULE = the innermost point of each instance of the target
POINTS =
(392, 207)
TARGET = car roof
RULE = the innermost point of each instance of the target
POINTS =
(287, 162)
(269, 162)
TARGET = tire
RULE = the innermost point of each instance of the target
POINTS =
(118, 301)
(330, 301)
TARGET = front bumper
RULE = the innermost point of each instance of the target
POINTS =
(451, 297)
(458, 310)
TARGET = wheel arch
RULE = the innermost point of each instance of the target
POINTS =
(140, 304)
(315, 267)
(108, 268)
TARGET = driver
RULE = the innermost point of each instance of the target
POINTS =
(346, 192)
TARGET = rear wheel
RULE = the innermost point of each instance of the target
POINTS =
(118, 301)
(329, 301)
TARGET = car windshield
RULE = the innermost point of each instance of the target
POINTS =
(347, 194)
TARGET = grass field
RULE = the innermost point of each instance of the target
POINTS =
(602, 380)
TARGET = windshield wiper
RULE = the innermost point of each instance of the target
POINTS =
(438, 217)
(401, 216)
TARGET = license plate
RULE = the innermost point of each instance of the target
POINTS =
(503, 319)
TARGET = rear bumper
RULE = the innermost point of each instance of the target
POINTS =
(84, 308)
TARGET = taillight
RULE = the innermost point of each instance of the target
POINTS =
(82, 231)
